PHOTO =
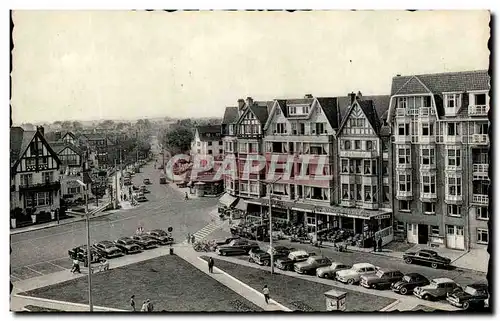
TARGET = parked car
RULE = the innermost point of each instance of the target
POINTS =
(161, 236)
(287, 263)
(471, 297)
(127, 181)
(280, 251)
(80, 253)
(226, 240)
(382, 279)
(236, 247)
(409, 282)
(140, 198)
(163, 180)
(436, 289)
(255, 255)
(146, 181)
(145, 241)
(331, 270)
(353, 275)
(108, 249)
(127, 245)
(426, 257)
(310, 265)
(144, 189)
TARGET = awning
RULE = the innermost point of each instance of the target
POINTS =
(227, 200)
(241, 205)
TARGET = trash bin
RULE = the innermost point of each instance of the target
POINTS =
(171, 251)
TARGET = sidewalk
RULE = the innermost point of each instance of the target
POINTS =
(96, 212)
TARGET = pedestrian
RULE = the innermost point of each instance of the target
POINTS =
(374, 245)
(189, 238)
(380, 244)
(150, 306)
(144, 307)
(132, 302)
(211, 264)
(265, 290)
(193, 239)
(76, 267)
(186, 196)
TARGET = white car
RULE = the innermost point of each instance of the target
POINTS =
(331, 270)
(353, 275)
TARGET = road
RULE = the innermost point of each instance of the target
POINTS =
(46, 251)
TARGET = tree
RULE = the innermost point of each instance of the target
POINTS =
(178, 140)
(77, 125)
(107, 124)
(66, 125)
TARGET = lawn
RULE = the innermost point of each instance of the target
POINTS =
(169, 282)
(299, 294)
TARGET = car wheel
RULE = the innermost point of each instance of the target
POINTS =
(403, 290)
(466, 305)
(223, 253)
(426, 297)
(408, 260)
(350, 281)
(326, 276)
(266, 263)
(250, 260)
(374, 286)
(434, 265)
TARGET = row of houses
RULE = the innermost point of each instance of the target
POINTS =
(413, 165)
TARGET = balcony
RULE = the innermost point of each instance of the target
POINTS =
(424, 197)
(403, 165)
(369, 205)
(427, 112)
(479, 139)
(452, 139)
(401, 112)
(478, 110)
(358, 153)
(480, 199)
(427, 166)
(404, 195)
(348, 203)
(402, 139)
(453, 199)
(48, 185)
(480, 171)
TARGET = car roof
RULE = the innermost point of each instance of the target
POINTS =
(360, 265)
(385, 270)
(478, 285)
(413, 275)
(317, 257)
(338, 263)
(106, 242)
(444, 280)
(296, 253)
(429, 251)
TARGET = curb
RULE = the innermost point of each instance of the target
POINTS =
(390, 306)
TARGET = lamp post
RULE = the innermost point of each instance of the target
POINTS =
(271, 224)
(89, 254)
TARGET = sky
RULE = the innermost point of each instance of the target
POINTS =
(91, 65)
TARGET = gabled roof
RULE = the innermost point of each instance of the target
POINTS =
(329, 107)
(60, 146)
(381, 103)
(68, 133)
(443, 82)
(260, 111)
(20, 141)
(231, 116)
(208, 132)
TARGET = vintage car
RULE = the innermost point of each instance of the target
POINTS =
(255, 255)
(382, 279)
(127, 181)
(280, 250)
(160, 236)
(163, 180)
(436, 289)
(331, 270)
(310, 265)
(144, 189)
(80, 253)
(471, 297)
(108, 249)
(127, 245)
(139, 197)
(236, 247)
(145, 241)
(426, 257)
(287, 263)
(226, 240)
(353, 275)
(146, 181)
(408, 283)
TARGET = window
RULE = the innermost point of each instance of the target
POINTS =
(209, 152)
(452, 100)
(357, 144)
(367, 166)
(386, 197)
(426, 101)
(480, 99)
(482, 236)
(454, 157)
(358, 192)
(357, 166)
(47, 177)
(429, 208)
(30, 162)
(404, 156)
(43, 198)
(280, 128)
(319, 128)
(482, 213)
(427, 129)
(357, 122)
(345, 165)
(220, 151)
(369, 145)
(345, 191)
(404, 182)
(434, 230)
(403, 129)
(26, 179)
(302, 128)
(209, 143)
(402, 102)
(453, 129)
(368, 193)
(347, 145)
(429, 183)
(454, 210)
(74, 190)
(427, 156)
(385, 168)
(455, 186)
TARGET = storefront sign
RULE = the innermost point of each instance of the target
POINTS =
(382, 216)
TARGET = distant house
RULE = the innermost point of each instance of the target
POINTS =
(105, 149)
(207, 141)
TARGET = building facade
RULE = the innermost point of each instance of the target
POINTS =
(207, 141)
(440, 158)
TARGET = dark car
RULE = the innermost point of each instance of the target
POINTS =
(161, 236)
(409, 282)
(108, 249)
(163, 180)
(310, 265)
(426, 257)
(226, 240)
(437, 289)
(236, 247)
(257, 256)
(287, 263)
(146, 181)
(280, 251)
(127, 245)
(80, 253)
(383, 278)
(469, 298)
(145, 241)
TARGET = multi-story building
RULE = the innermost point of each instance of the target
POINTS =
(101, 144)
(207, 141)
(34, 173)
(440, 158)
(230, 148)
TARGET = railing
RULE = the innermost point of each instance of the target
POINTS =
(480, 199)
(400, 112)
(478, 110)
(46, 184)
(453, 198)
(403, 166)
(428, 196)
(480, 139)
(412, 112)
(404, 194)
(358, 153)
(480, 168)
(453, 139)
(453, 167)
(402, 138)
(427, 111)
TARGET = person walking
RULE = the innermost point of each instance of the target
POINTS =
(374, 245)
(193, 239)
(186, 196)
(189, 238)
(150, 305)
(144, 307)
(76, 267)
(379, 244)
(265, 290)
(211, 264)
(132, 302)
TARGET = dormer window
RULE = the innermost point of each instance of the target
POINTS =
(452, 100)
(298, 110)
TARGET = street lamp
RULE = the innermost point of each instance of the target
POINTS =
(271, 224)
(89, 255)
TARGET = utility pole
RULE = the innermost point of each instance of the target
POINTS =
(271, 233)
(89, 252)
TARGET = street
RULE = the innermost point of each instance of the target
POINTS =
(46, 251)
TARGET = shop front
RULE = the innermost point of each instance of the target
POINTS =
(226, 203)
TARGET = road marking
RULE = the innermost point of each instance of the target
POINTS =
(27, 267)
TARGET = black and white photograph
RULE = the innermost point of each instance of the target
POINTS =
(250, 161)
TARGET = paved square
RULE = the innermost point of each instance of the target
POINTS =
(46, 268)
(24, 273)
(169, 282)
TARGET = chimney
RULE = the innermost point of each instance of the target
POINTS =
(352, 97)
(241, 104)
(308, 96)
(398, 75)
(249, 101)
(359, 95)
(40, 129)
